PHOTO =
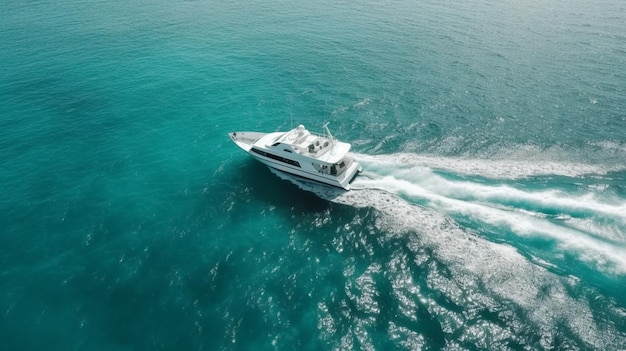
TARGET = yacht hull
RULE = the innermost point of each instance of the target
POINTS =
(329, 167)
(342, 181)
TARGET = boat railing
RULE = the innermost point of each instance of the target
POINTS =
(324, 136)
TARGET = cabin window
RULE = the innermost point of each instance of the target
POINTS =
(276, 157)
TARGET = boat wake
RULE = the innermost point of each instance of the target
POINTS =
(508, 239)
(566, 216)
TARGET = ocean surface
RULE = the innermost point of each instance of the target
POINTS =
(490, 215)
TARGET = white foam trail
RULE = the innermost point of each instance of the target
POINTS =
(510, 169)
(612, 231)
(539, 202)
(580, 224)
(604, 256)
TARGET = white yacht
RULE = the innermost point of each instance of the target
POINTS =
(299, 152)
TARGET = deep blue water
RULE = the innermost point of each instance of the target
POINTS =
(491, 213)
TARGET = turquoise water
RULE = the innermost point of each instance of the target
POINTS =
(491, 213)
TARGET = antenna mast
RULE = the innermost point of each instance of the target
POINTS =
(327, 131)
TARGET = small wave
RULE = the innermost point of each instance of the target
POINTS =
(610, 145)
(361, 103)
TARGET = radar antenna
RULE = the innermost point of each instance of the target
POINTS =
(327, 132)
